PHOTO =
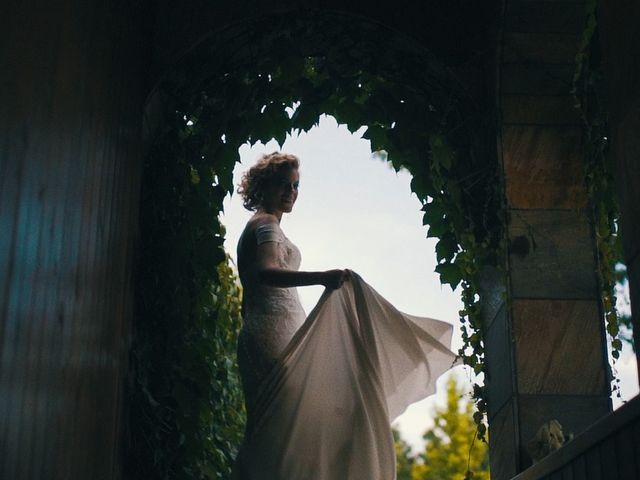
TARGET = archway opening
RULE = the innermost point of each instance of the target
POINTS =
(417, 117)
(356, 212)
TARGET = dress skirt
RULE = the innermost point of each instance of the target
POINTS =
(324, 411)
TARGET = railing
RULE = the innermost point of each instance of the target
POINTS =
(608, 450)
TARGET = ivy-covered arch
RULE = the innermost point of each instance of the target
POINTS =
(235, 86)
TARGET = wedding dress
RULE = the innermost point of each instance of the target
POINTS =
(321, 390)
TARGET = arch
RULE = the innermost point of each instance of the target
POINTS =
(228, 90)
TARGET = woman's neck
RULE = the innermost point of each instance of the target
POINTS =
(276, 213)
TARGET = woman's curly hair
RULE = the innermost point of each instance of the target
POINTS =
(264, 171)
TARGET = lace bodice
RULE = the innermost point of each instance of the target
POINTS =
(271, 315)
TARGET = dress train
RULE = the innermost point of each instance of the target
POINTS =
(324, 410)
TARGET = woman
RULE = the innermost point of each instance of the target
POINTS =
(320, 390)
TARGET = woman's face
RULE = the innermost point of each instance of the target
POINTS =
(281, 193)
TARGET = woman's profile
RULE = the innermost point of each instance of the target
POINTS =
(320, 390)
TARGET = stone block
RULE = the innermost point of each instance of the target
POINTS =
(531, 79)
(551, 255)
(575, 414)
(540, 110)
(544, 167)
(559, 347)
(540, 48)
(502, 444)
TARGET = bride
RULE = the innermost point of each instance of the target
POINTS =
(320, 390)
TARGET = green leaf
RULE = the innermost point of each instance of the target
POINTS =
(449, 273)
(446, 248)
(442, 155)
(378, 137)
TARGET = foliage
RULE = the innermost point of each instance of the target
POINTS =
(451, 450)
(588, 90)
(623, 301)
(233, 89)
(405, 461)
(210, 413)
(186, 415)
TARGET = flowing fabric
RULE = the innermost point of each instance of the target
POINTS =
(324, 410)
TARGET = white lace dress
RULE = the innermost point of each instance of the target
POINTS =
(271, 315)
(321, 391)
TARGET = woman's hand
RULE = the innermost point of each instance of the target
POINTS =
(334, 278)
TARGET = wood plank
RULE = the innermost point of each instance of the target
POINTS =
(539, 110)
(580, 468)
(625, 453)
(544, 167)
(636, 445)
(610, 459)
(567, 472)
(558, 347)
(551, 253)
(557, 475)
(594, 465)
(540, 48)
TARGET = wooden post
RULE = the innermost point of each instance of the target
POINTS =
(546, 350)
(70, 113)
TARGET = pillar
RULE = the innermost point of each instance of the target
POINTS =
(545, 340)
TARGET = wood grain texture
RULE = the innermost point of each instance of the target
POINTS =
(552, 255)
(558, 347)
(70, 110)
(544, 167)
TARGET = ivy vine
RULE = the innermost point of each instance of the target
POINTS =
(187, 415)
(588, 91)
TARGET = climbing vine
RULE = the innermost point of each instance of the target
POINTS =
(588, 90)
(187, 415)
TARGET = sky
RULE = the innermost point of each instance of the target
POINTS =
(354, 211)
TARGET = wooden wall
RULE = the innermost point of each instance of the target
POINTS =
(72, 79)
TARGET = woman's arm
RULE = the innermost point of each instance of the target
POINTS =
(271, 274)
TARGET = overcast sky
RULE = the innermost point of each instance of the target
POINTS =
(356, 212)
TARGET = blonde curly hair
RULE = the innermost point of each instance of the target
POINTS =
(261, 174)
